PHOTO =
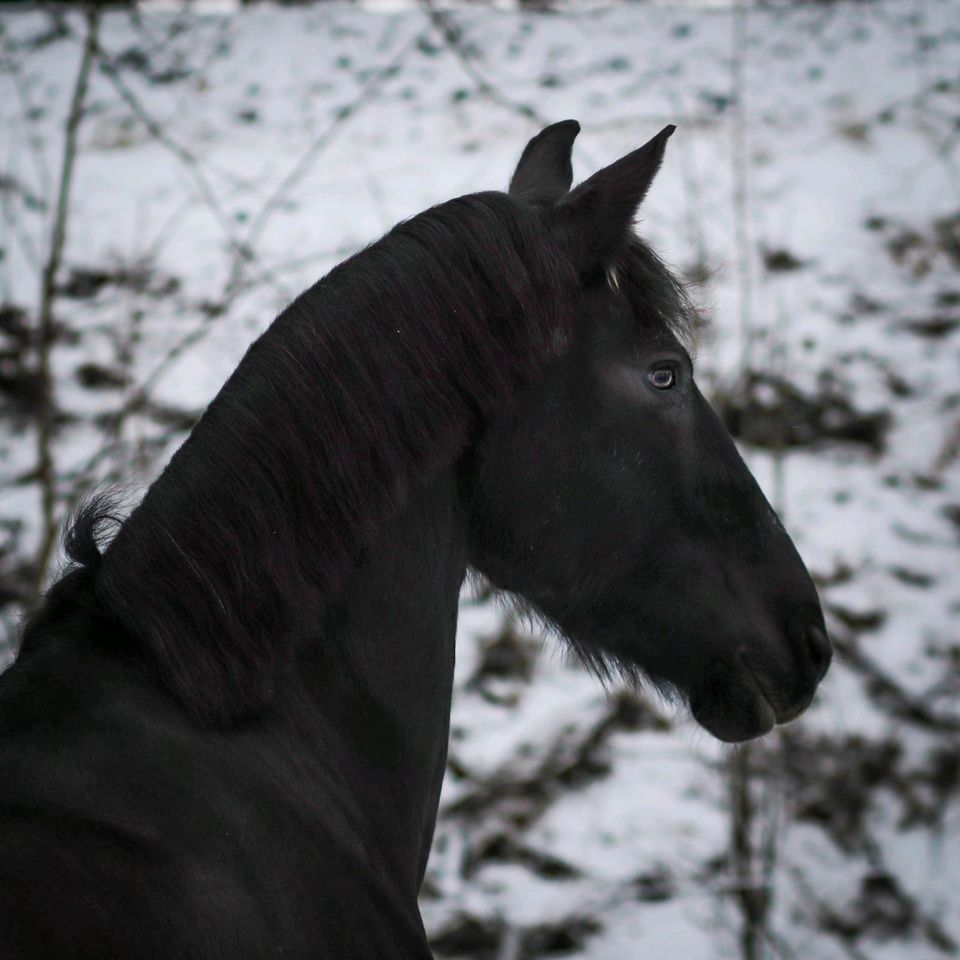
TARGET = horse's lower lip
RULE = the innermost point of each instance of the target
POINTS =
(792, 713)
(784, 715)
(762, 722)
(746, 723)
(757, 710)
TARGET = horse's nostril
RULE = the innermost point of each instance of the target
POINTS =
(821, 650)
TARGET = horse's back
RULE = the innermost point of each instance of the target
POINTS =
(126, 831)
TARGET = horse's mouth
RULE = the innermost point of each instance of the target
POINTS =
(787, 712)
(747, 710)
(735, 722)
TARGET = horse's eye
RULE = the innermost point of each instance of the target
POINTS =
(663, 378)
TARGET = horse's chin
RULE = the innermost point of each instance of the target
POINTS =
(735, 721)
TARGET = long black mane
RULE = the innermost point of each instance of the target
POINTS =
(381, 373)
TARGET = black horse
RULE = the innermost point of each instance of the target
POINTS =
(225, 733)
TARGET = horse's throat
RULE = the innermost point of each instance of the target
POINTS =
(388, 673)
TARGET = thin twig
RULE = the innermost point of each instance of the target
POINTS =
(33, 141)
(236, 282)
(46, 473)
(186, 156)
(300, 169)
(22, 236)
(894, 698)
(452, 37)
(740, 162)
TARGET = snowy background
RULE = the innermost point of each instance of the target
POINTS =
(221, 161)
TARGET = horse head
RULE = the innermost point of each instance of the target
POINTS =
(613, 500)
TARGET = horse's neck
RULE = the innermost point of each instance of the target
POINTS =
(383, 675)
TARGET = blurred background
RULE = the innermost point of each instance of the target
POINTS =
(171, 176)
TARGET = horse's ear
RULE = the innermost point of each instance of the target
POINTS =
(594, 218)
(544, 171)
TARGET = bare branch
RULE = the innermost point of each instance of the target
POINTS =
(368, 91)
(46, 473)
(186, 156)
(453, 39)
(741, 161)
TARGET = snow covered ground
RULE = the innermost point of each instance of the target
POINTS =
(226, 160)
